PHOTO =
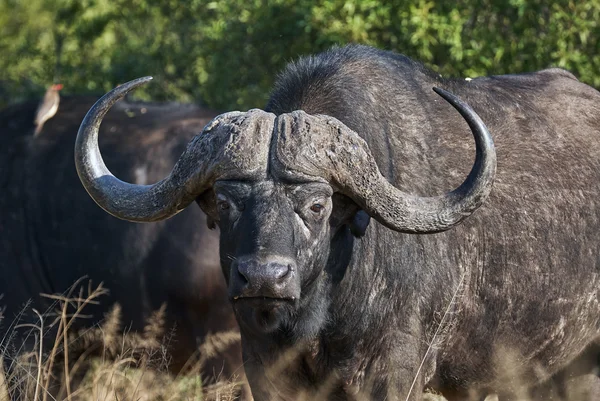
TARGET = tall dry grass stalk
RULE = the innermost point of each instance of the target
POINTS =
(3, 385)
(102, 362)
(441, 326)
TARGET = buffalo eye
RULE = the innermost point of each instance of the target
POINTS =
(222, 205)
(317, 208)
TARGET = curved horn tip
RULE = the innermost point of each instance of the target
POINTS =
(439, 91)
(108, 100)
(128, 86)
(449, 97)
(460, 105)
(464, 109)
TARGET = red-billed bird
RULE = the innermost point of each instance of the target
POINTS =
(47, 108)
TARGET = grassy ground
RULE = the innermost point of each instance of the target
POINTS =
(102, 363)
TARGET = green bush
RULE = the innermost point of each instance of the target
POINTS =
(227, 53)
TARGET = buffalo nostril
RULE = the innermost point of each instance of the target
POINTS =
(242, 277)
(280, 271)
(288, 270)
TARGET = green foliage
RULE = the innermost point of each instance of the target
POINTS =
(226, 53)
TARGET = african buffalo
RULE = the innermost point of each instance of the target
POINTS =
(332, 306)
(52, 234)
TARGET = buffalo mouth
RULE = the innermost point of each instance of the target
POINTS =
(262, 315)
(260, 299)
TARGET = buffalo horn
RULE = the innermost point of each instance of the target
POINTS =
(331, 151)
(222, 147)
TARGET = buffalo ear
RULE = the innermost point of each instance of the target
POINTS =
(207, 202)
(359, 223)
(347, 213)
(211, 223)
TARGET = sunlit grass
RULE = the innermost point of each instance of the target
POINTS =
(103, 363)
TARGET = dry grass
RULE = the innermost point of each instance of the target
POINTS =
(103, 363)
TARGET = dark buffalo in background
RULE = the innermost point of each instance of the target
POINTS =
(509, 297)
(52, 233)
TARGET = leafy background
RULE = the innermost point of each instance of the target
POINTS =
(225, 54)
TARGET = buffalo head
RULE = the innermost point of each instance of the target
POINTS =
(283, 190)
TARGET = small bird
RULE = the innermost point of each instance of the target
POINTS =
(47, 108)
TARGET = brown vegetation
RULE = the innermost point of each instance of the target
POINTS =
(106, 363)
